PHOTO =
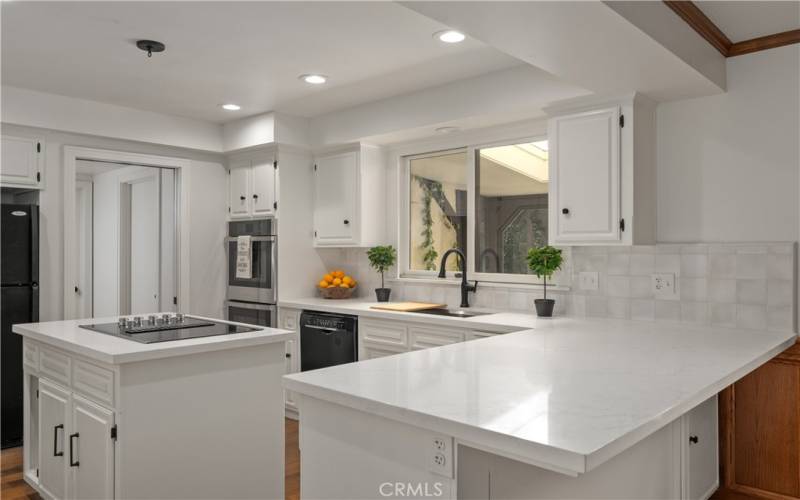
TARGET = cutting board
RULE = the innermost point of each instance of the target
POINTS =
(408, 306)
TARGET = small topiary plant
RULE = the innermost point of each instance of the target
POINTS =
(544, 261)
(381, 258)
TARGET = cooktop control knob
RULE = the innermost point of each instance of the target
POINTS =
(179, 317)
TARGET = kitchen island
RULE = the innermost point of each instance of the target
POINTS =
(570, 409)
(108, 417)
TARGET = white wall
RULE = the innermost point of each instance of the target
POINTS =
(727, 165)
(207, 199)
(39, 109)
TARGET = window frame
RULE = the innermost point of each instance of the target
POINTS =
(470, 147)
(404, 225)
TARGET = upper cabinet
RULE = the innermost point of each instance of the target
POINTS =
(22, 163)
(252, 185)
(602, 173)
(349, 197)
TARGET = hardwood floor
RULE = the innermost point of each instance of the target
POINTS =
(15, 488)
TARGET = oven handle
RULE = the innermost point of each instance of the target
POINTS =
(248, 305)
(252, 238)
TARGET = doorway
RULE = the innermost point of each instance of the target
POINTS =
(124, 254)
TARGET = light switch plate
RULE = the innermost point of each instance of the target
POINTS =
(663, 285)
(588, 280)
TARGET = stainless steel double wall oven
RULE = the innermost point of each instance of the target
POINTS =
(253, 300)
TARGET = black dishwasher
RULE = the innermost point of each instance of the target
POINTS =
(327, 339)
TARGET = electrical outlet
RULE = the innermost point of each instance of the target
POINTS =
(588, 280)
(440, 456)
(663, 285)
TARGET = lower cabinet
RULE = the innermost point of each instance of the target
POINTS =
(53, 418)
(700, 453)
(760, 430)
(76, 444)
(91, 450)
(289, 319)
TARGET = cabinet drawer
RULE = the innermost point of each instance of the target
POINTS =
(30, 355)
(372, 351)
(54, 365)
(383, 333)
(423, 337)
(94, 382)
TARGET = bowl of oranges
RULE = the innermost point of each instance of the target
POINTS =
(336, 285)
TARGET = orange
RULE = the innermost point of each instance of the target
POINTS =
(347, 280)
(343, 286)
(327, 278)
(323, 284)
(353, 284)
(338, 274)
(337, 281)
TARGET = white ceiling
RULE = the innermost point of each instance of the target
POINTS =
(249, 53)
(744, 20)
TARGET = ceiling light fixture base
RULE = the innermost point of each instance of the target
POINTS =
(150, 46)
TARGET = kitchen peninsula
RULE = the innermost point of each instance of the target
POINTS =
(569, 409)
(110, 417)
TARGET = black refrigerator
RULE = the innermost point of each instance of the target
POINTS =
(19, 244)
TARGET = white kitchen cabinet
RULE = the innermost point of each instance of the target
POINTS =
(700, 451)
(239, 189)
(252, 185)
(53, 437)
(602, 172)
(424, 337)
(91, 450)
(289, 319)
(22, 162)
(263, 188)
(349, 197)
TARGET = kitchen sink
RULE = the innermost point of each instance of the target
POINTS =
(453, 313)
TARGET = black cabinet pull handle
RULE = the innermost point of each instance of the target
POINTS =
(57, 453)
(242, 198)
(565, 211)
(346, 222)
(693, 439)
(73, 463)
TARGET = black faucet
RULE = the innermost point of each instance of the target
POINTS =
(465, 287)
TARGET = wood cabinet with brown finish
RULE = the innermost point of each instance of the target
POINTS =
(760, 430)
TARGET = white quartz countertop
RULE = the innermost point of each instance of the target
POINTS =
(502, 322)
(68, 335)
(567, 395)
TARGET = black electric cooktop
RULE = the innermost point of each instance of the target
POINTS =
(149, 331)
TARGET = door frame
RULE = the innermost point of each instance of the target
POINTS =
(85, 189)
(181, 166)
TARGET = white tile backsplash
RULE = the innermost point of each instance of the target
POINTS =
(730, 285)
(744, 285)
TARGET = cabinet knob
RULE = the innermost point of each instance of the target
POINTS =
(693, 439)
(242, 198)
(255, 196)
(346, 222)
(565, 211)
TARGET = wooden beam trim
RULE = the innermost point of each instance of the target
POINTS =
(764, 43)
(699, 22)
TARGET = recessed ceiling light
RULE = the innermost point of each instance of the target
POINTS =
(231, 107)
(314, 79)
(447, 130)
(450, 36)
